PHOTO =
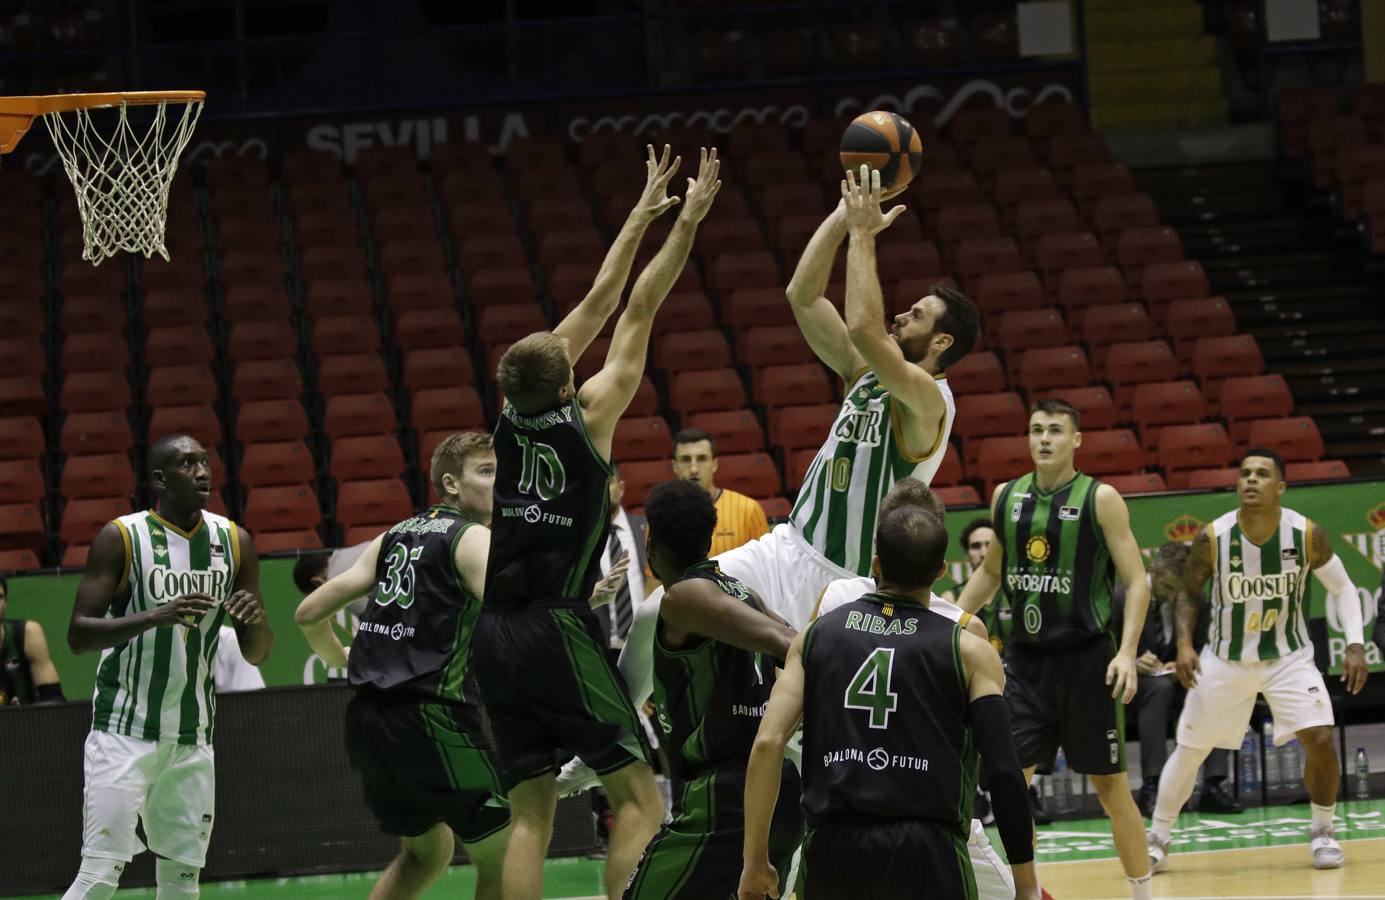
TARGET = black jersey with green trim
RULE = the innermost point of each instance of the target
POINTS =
(710, 696)
(1056, 571)
(415, 633)
(16, 682)
(551, 512)
(884, 716)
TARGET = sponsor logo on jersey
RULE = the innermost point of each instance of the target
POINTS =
(870, 623)
(397, 631)
(1016, 511)
(860, 427)
(218, 550)
(1039, 583)
(1241, 587)
(878, 759)
(422, 525)
(1037, 549)
(1289, 554)
(163, 584)
(753, 712)
(1069, 513)
(534, 515)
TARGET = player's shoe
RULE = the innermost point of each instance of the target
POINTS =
(576, 777)
(1327, 853)
(1158, 851)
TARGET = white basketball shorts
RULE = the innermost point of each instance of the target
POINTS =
(1218, 709)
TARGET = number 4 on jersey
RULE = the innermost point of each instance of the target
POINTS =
(870, 688)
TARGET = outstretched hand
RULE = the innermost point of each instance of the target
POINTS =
(702, 190)
(605, 590)
(861, 198)
(659, 171)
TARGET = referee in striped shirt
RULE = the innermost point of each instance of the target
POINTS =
(739, 518)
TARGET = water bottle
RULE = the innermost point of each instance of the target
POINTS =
(1274, 772)
(1363, 775)
(1291, 765)
(1250, 769)
(1062, 785)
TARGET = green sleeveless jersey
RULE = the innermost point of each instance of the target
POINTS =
(855, 468)
(1056, 572)
(1258, 589)
(157, 686)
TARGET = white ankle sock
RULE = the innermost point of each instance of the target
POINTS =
(1141, 888)
(1322, 816)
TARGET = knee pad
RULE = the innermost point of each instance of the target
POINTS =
(175, 880)
(97, 879)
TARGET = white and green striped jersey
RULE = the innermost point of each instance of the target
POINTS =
(157, 686)
(1258, 589)
(858, 464)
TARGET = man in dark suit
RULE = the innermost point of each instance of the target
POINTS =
(1159, 689)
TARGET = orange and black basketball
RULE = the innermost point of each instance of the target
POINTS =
(884, 141)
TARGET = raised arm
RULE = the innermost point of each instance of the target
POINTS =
(1197, 568)
(696, 607)
(607, 394)
(246, 606)
(315, 612)
(916, 390)
(817, 318)
(103, 581)
(1114, 518)
(783, 714)
(1344, 601)
(581, 326)
(985, 581)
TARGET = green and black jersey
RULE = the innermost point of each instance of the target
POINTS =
(1056, 571)
(16, 681)
(709, 695)
(884, 716)
(551, 511)
(415, 633)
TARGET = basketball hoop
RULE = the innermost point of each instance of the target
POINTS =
(121, 175)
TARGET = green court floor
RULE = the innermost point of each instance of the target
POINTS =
(570, 879)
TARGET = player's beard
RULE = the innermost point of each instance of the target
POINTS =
(915, 348)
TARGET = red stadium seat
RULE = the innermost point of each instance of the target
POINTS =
(1368, 102)
(1114, 214)
(358, 373)
(201, 422)
(372, 456)
(17, 560)
(1055, 253)
(1250, 397)
(90, 434)
(734, 431)
(348, 415)
(988, 158)
(82, 519)
(801, 427)
(958, 496)
(640, 477)
(1093, 404)
(780, 200)
(314, 262)
(1157, 404)
(97, 352)
(1002, 458)
(347, 297)
(1137, 483)
(418, 291)
(408, 255)
(588, 365)
(264, 379)
(954, 224)
(18, 317)
(276, 463)
(950, 471)
(1137, 248)
(266, 420)
(1055, 367)
(933, 190)
(1164, 282)
(1002, 292)
(1298, 106)
(21, 527)
(21, 437)
(792, 385)
(438, 367)
(692, 351)
(256, 303)
(342, 335)
(1326, 470)
(1355, 167)
(21, 481)
(976, 373)
(178, 345)
(1217, 358)
(730, 236)
(683, 312)
(1017, 186)
(1188, 320)
(1297, 439)
(755, 307)
(914, 259)
(988, 415)
(1036, 218)
(1092, 181)
(500, 286)
(291, 507)
(83, 392)
(1067, 152)
(1136, 363)
(454, 409)
(287, 541)
(508, 323)
(977, 256)
(1327, 137)
(644, 437)
(739, 271)
(87, 315)
(1111, 452)
(379, 502)
(1183, 448)
(1079, 289)
(1211, 479)
(261, 340)
(97, 476)
(1024, 330)
(752, 474)
(974, 125)
(558, 247)
(719, 389)
(1103, 326)
(646, 402)
(775, 345)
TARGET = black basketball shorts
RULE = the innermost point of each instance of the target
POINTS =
(1060, 697)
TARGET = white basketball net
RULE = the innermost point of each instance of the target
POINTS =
(122, 181)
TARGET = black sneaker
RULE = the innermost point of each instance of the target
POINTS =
(1217, 799)
(1036, 807)
(1149, 790)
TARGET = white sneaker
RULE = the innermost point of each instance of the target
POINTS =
(576, 777)
(1158, 851)
(1327, 853)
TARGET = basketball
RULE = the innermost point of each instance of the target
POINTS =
(884, 141)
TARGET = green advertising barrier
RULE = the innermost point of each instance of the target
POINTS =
(1353, 513)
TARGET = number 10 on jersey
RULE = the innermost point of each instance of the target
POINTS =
(542, 471)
